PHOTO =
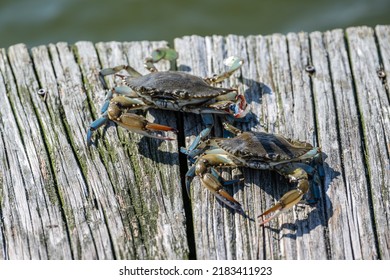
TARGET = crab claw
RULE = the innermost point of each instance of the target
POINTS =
(287, 201)
(140, 125)
(164, 53)
(213, 184)
(241, 108)
(159, 54)
(234, 63)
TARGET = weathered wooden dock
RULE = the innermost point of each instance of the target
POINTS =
(124, 197)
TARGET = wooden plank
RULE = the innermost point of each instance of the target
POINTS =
(66, 96)
(32, 225)
(207, 229)
(374, 109)
(308, 238)
(289, 56)
(347, 206)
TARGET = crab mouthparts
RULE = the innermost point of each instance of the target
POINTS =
(241, 108)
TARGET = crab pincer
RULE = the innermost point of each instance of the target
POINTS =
(118, 112)
(138, 124)
(214, 182)
(287, 201)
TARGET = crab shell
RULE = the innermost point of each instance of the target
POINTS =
(262, 150)
(183, 92)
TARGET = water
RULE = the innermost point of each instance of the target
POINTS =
(37, 22)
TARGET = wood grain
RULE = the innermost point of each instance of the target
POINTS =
(124, 198)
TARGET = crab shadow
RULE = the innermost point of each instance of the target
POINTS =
(160, 150)
(151, 148)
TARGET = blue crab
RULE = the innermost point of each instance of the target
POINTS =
(169, 90)
(258, 150)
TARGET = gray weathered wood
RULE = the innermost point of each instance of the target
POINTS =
(374, 107)
(340, 138)
(123, 198)
(103, 207)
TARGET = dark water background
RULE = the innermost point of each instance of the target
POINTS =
(37, 22)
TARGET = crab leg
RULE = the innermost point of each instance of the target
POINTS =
(159, 54)
(94, 126)
(212, 182)
(192, 151)
(117, 111)
(134, 123)
(234, 63)
(122, 90)
(189, 176)
(241, 108)
(223, 181)
(140, 125)
(292, 197)
(111, 71)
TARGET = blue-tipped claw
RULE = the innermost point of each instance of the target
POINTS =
(94, 126)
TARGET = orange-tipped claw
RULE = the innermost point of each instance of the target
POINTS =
(159, 127)
(228, 199)
(139, 124)
(287, 201)
(212, 183)
(276, 210)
